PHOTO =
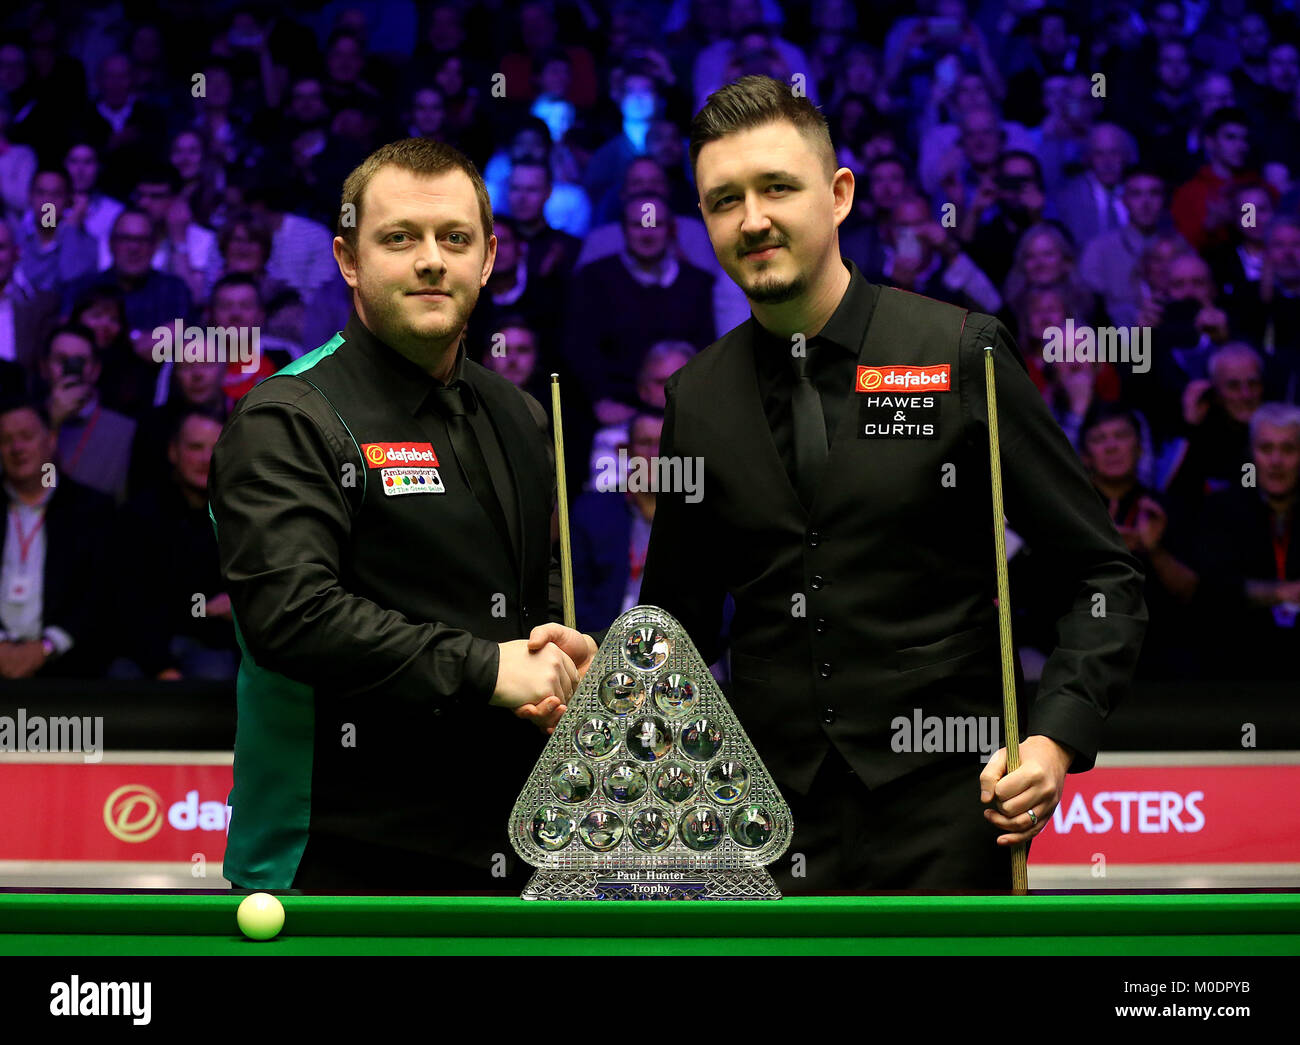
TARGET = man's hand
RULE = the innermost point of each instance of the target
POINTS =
(1037, 785)
(68, 396)
(545, 716)
(580, 648)
(1196, 401)
(21, 660)
(219, 606)
(527, 676)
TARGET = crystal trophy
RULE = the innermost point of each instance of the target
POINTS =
(649, 788)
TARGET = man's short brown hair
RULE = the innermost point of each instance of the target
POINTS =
(419, 156)
(755, 101)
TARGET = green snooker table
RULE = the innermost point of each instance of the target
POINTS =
(118, 925)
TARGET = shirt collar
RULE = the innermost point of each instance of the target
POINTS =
(844, 328)
(403, 381)
(666, 276)
(20, 505)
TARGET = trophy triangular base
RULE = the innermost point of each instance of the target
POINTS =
(649, 788)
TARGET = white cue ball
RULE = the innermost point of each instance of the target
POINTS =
(260, 916)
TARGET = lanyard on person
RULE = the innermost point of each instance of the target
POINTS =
(85, 437)
(25, 540)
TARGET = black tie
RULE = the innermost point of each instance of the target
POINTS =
(456, 401)
(810, 447)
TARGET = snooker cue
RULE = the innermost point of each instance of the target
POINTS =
(562, 506)
(1019, 852)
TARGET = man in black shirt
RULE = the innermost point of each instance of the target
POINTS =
(382, 508)
(844, 436)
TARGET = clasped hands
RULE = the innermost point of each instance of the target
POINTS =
(538, 675)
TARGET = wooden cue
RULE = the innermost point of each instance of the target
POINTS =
(1010, 718)
(562, 506)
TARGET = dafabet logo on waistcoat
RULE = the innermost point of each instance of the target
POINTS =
(904, 378)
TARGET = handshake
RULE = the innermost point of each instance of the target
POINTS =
(537, 676)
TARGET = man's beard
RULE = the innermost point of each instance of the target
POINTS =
(767, 291)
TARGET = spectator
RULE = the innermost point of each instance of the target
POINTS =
(302, 250)
(17, 167)
(52, 592)
(661, 297)
(176, 608)
(636, 94)
(92, 210)
(202, 182)
(245, 245)
(1200, 206)
(127, 382)
(922, 256)
(1109, 266)
(1267, 312)
(550, 251)
(1045, 258)
(1005, 207)
(1249, 558)
(196, 385)
(26, 316)
(948, 103)
(660, 363)
(611, 531)
(94, 441)
(53, 252)
(1092, 202)
(1111, 448)
(1061, 139)
(1216, 412)
(184, 249)
(974, 159)
(539, 35)
(151, 298)
(1168, 114)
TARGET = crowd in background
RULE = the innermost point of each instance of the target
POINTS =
(1107, 165)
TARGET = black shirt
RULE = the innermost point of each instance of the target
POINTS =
(413, 389)
(832, 360)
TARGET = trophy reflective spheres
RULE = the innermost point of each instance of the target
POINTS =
(649, 789)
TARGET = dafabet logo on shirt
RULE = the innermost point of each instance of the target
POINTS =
(904, 378)
(384, 455)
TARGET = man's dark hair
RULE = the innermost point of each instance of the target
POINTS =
(236, 279)
(76, 330)
(209, 412)
(8, 406)
(755, 101)
(540, 164)
(98, 295)
(59, 173)
(1220, 118)
(160, 174)
(1028, 157)
(129, 212)
(894, 159)
(1100, 412)
(1142, 170)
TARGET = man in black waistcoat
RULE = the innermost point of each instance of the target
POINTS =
(846, 508)
(382, 508)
